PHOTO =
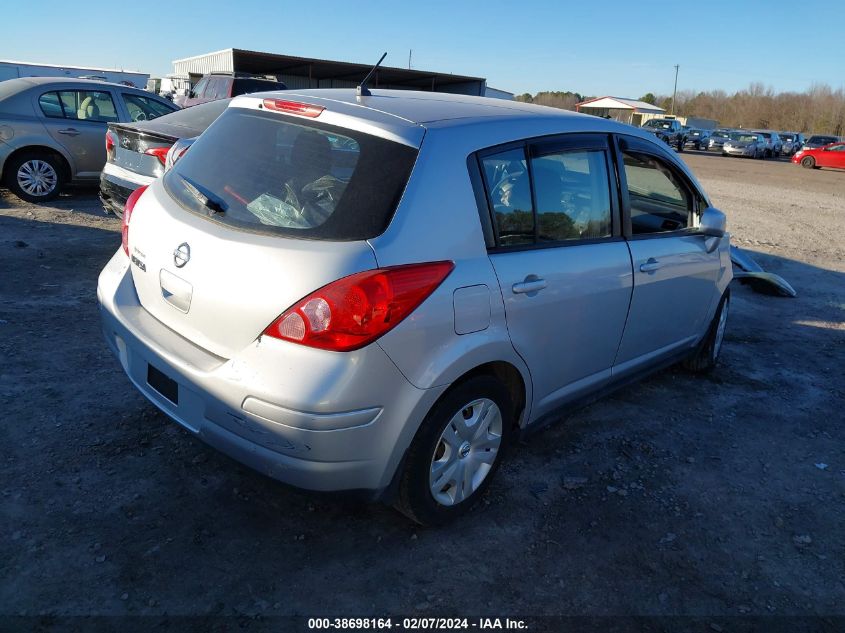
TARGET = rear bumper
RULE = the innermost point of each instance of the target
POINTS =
(332, 444)
(115, 188)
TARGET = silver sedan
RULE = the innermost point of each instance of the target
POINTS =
(379, 293)
(52, 131)
(747, 144)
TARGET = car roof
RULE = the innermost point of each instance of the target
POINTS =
(420, 108)
(27, 82)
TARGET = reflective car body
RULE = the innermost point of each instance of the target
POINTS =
(61, 123)
(217, 308)
(717, 139)
(792, 142)
(819, 140)
(774, 145)
(747, 144)
(699, 139)
(832, 155)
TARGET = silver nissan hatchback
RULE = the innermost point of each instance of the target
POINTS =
(378, 293)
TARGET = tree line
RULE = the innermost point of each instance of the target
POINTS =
(819, 110)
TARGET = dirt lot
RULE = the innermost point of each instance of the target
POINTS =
(718, 496)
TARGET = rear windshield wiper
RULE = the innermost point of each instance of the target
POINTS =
(213, 203)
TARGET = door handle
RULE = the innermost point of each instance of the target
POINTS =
(69, 132)
(532, 283)
(650, 266)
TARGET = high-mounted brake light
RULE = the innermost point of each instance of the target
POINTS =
(352, 312)
(158, 152)
(294, 107)
(127, 213)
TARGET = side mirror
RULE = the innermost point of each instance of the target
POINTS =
(713, 223)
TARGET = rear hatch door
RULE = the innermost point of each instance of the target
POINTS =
(219, 287)
(263, 209)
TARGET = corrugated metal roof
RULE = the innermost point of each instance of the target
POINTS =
(312, 72)
(620, 103)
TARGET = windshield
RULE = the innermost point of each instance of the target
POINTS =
(659, 124)
(787, 137)
(822, 140)
(274, 173)
(721, 135)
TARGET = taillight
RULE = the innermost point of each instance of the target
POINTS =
(109, 143)
(294, 107)
(127, 213)
(158, 152)
(352, 312)
(176, 151)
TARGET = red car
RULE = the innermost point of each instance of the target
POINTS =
(832, 155)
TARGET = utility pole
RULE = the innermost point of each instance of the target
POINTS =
(410, 50)
(675, 91)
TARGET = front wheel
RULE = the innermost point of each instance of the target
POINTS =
(456, 451)
(680, 145)
(707, 354)
(35, 176)
(808, 161)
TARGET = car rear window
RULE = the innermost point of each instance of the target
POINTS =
(287, 175)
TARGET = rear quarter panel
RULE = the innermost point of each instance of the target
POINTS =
(437, 219)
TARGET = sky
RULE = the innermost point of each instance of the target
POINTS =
(593, 47)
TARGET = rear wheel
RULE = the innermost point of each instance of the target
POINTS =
(707, 354)
(35, 176)
(456, 451)
(809, 162)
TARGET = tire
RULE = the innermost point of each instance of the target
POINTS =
(707, 354)
(680, 145)
(431, 501)
(35, 176)
(808, 162)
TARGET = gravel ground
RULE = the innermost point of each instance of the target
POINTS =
(680, 495)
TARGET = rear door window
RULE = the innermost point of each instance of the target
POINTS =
(198, 89)
(276, 173)
(561, 194)
(571, 190)
(81, 105)
(218, 88)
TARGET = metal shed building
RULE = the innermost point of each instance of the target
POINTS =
(625, 110)
(306, 72)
